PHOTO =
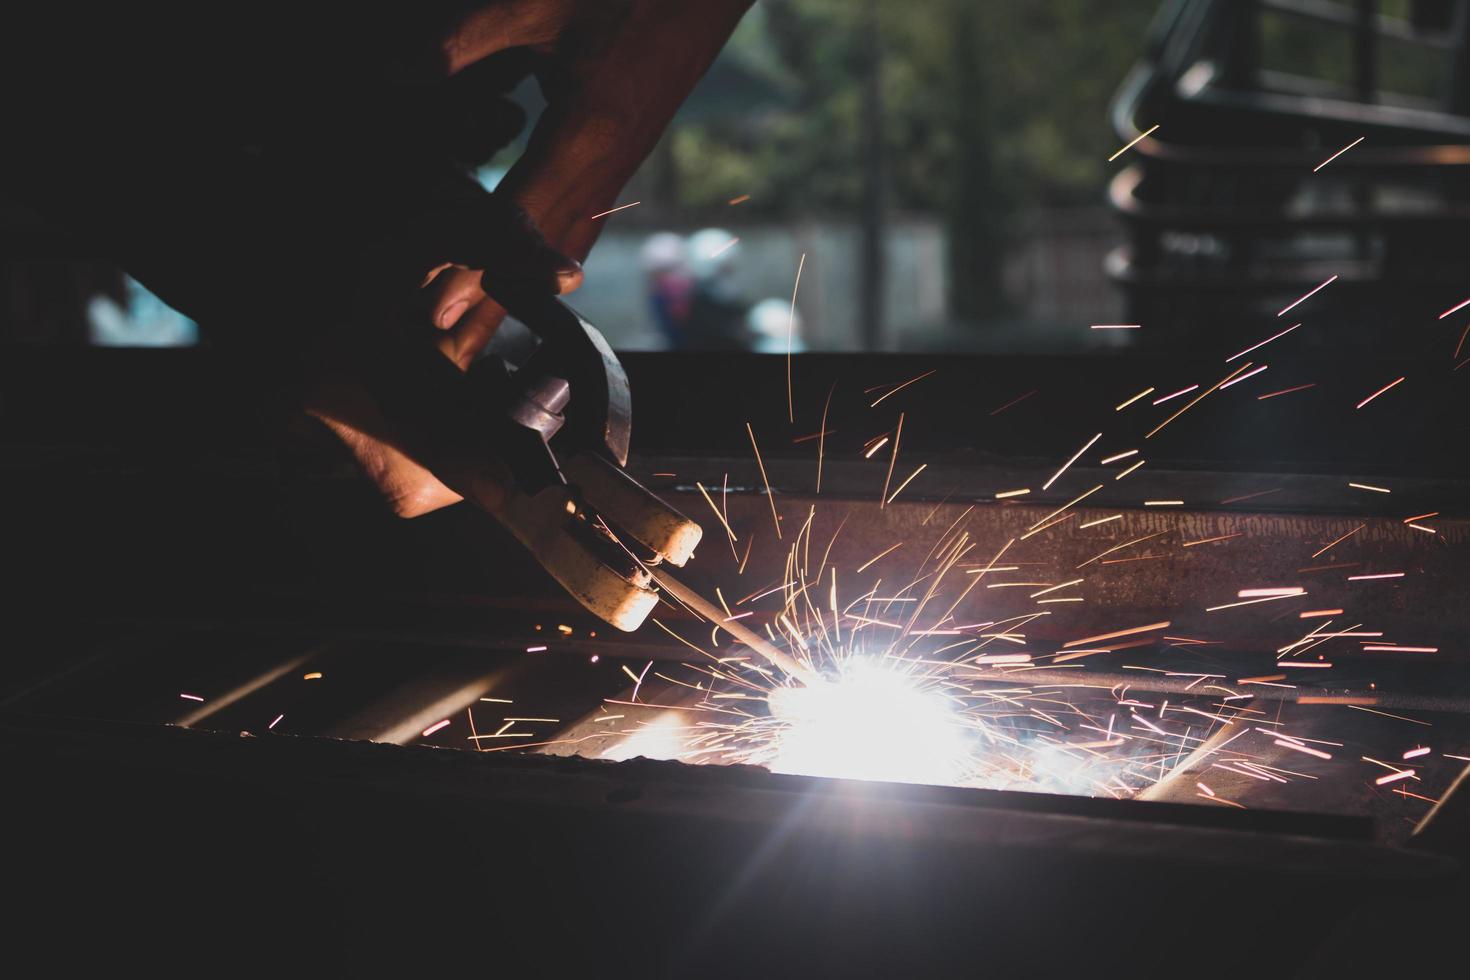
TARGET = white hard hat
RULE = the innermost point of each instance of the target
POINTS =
(773, 325)
(663, 252)
(711, 251)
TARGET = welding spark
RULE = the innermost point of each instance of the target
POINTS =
(790, 338)
(1285, 391)
(901, 387)
(1075, 456)
(1181, 391)
(1338, 153)
(1378, 392)
(1146, 391)
(1130, 469)
(1308, 296)
(1134, 142)
(621, 207)
(1248, 374)
(1454, 309)
(1263, 343)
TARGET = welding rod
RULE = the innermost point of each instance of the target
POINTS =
(739, 630)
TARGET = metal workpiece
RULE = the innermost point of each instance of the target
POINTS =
(1136, 562)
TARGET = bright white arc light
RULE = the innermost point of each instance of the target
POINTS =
(870, 722)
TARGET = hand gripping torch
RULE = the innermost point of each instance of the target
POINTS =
(561, 424)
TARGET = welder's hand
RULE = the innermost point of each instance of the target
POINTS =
(613, 73)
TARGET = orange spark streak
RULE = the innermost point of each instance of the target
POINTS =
(1078, 453)
(902, 386)
(1378, 392)
(1117, 456)
(897, 435)
(1339, 540)
(887, 551)
(1130, 469)
(1338, 153)
(1134, 142)
(1181, 391)
(621, 207)
(1285, 391)
(1394, 777)
(790, 331)
(1014, 401)
(1114, 635)
(1452, 309)
(1309, 295)
(1196, 400)
(905, 483)
(1263, 343)
(1243, 377)
(1065, 506)
(1204, 541)
(1120, 547)
(1302, 748)
(764, 479)
(1252, 602)
(1146, 391)
(822, 438)
(1385, 648)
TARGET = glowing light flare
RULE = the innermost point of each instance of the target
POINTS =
(870, 722)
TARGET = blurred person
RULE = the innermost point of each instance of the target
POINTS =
(664, 259)
(717, 318)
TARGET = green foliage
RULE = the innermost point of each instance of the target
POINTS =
(1029, 81)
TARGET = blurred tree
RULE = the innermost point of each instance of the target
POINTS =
(990, 110)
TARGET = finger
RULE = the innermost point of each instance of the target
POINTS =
(496, 27)
(476, 326)
(469, 337)
(453, 292)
